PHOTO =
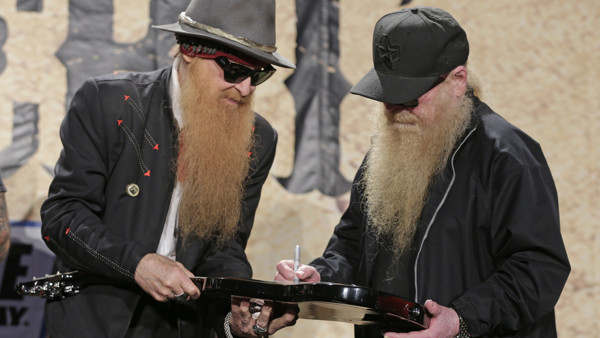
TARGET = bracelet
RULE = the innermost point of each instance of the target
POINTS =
(226, 325)
(463, 329)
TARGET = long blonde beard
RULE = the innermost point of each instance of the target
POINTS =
(216, 139)
(402, 163)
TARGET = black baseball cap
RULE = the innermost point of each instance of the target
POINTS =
(411, 49)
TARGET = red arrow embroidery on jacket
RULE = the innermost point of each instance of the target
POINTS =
(119, 122)
(138, 110)
(136, 146)
(67, 232)
(47, 238)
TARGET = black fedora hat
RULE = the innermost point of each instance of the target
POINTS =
(411, 49)
(247, 26)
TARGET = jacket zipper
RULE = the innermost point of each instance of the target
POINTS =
(436, 212)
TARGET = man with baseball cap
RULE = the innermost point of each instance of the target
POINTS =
(453, 206)
(159, 180)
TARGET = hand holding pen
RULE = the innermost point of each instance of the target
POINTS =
(293, 271)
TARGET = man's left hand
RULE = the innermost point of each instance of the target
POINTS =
(443, 324)
(244, 317)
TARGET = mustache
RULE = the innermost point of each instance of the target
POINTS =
(402, 116)
(234, 94)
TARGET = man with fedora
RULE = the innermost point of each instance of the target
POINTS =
(453, 206)
(159, 180)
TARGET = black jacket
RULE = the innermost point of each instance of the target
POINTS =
(489, 241)
(119, 131)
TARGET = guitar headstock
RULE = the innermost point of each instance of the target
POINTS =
(57, 286)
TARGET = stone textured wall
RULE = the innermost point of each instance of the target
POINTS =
(538, 60)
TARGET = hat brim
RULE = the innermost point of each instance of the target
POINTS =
(392, 89)
(271, 58)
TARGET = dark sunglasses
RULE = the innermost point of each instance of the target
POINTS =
(415, 102)
(236, 73)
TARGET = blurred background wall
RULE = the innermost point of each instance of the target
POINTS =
(538, 60)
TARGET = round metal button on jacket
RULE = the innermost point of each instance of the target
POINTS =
(132, 190)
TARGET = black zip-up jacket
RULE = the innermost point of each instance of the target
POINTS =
(489, 242)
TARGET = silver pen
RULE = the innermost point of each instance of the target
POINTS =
(296, 262)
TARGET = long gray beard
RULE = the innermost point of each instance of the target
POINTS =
(400, 168)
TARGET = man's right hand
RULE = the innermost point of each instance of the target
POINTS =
(305, 273)
(164, 278)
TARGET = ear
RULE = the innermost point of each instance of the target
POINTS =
(184, 65)
(187, 58)
(459, 80)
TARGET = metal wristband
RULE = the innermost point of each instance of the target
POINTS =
(226, 326)
(463, 329)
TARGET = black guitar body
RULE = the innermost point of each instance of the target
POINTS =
(329, 301)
